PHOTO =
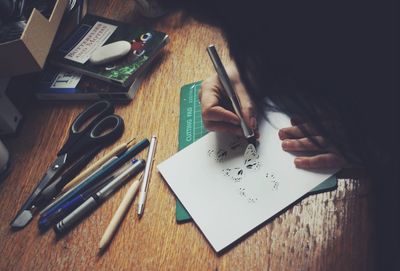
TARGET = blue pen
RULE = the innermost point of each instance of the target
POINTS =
(98, 176)
(45, 222)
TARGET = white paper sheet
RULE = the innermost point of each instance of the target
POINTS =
(229, 189)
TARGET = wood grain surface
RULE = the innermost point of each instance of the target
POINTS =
(328, 231)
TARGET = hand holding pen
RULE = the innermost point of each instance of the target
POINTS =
(217, 111)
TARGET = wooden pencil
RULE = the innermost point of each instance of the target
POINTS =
(119, 214)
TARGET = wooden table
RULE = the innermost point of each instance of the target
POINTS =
(328, 231)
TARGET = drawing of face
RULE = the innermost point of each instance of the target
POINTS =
(218, 155)
(236, 174)
(138, 44)
(232, 149)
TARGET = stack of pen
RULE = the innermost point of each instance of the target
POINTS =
(90, 188)
(126, 201)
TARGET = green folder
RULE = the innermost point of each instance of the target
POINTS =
(191, 128)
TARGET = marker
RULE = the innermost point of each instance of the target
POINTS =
(97, 199)
(227, 85)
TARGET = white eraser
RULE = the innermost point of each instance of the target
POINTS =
(110, 52)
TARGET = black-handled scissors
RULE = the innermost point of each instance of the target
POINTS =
(94, 128)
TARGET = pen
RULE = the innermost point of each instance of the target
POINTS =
(119, 214)
(227, 85)
(146, 175)
(45, 222)
(114, 152)
(113, 165)
(97, 199)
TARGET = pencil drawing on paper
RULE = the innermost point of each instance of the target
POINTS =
(273, 181)
(249, 163)
(236, 174)
(218, 155)
(251, 158)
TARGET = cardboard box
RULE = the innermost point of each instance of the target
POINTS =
(29, 53)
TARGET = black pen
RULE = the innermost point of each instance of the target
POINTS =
(97, 199)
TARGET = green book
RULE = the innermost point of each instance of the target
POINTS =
(191, 128)
(93, 32)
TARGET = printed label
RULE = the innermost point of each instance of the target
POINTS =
(66, 80)
(94, 39)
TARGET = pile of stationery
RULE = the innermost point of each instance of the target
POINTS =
(78, 194)
(99, 59)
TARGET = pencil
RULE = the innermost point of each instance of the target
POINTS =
(119, 214)
(117, 150)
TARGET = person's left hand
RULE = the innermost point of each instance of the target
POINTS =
(325, 157)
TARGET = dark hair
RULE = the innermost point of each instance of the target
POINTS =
(322, 60)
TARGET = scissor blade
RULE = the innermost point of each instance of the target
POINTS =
(25, 214)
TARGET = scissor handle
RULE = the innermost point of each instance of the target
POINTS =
(107, 130)
(91, 116)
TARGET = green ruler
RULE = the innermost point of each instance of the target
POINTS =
(191, 128)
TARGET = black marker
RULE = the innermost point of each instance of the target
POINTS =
(227, 85)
